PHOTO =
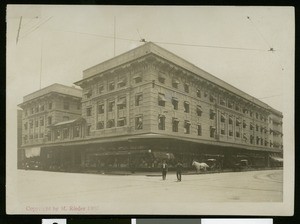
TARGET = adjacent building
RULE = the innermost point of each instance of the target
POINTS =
(149, 105)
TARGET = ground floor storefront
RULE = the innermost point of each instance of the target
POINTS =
(148, 154)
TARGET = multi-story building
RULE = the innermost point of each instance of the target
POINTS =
(148, 104)
(44, 108)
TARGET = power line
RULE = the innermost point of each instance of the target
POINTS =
(37, 27)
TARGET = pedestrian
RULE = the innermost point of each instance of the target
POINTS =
(164, 170)
(179, 168)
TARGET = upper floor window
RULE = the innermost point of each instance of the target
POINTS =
(50, 105)
(161, 122)
(37, 109)
(87, 93)
(186, 87)
(237, 122)
(122, 82)
(89, 111)
(237, 107)
(212, 131)
(76, 131)
(198, 93)
(36, 123)
(42, 108)
(244, 124)
(230, 120)
(186, 107)
(212, 114)
(199, 129)
(66, 105)
(41, 121)
(256, 115)
(199, 110)
(122, 103)
(187, 127)
(138, 78)
(65, 133)
(111, 86)
(49, 120)
(138, 99)
(26, 113)
(110, 123)
(175, 103)
(251, 126)
(78, 106)
(122, 122)
(111, 106)
(222, 102)
(212, 98)
(161, 79)
(25, 126)
(161, 99)
(32, 110)
(139, 122)
(101, 108)
(175, 83)
(88, 130)
(230, 104)
(223, 118)
(100, 89)
(100, 124)
(175, 122)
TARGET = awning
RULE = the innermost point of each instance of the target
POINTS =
(175, 98)
(118, 153)
(186, 102)
(163, 155)
(175, 119)
(187, 122)
(137, 76)
(122, 101)
(176, 81)
(238, 121)
(212, 111)
(213, 128)
(199, 108)
(161, 97)
(277, 159)
(223, 116)
(32, 152)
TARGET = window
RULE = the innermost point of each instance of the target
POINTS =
(161, 122)
(110, 123)
(256, 127)
(256, 115)
(76, 131)
(244, 124)
(138, 99)
(32, 110)
(237, 134)
(175, 83)
(37, 109)
(111, 86)
(199, 129)
(175, 103)
(78, 106)
(31, 136)
(245, 110)
(230, 133)
(57, 134)
(66, 105)
(161, 79)
(101, 108)
(223, 118)
(198, 93)
(88, 130)
(251, 139)
(65, 133)
(237, 107)
(186, 87)
(50, 105)
(261, 129)
(261, 141)
(212, 114)
(87, 93)
(139, 122)
(111, 106)
(222, 131)
(230, 104)
(199, 111)
(138, 78)
(25, 126)
(175, 122)
(122, 122)
(36, 135)
(245, 137)
(66, 118)
(89, 111)
(222, 102)
(49, 120)
(251, 114)
(36, 123)
(237, 122)
(100, 125)
(122, 82)
(122, 103)
(230, 120)
(161, 99)
(31, 123)
(212, 131)
(266, 142)
(187, 127)
(41, 121)
(212, 98)
(251, 126)
(257, 140)
(100, 89)
(186, 106)
(42, 108)
(26, 113)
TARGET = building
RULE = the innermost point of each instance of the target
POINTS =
(43, 108)
(149, 105)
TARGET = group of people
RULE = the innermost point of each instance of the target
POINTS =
(179, 168)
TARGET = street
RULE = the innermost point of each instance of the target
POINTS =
(54, 192)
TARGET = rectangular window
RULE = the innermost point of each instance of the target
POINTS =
(199, 93)
(122, 82)
(78, 106)
(25, 126)
(187, 127)
(175, 83)
(111, 86)
(42, 108)
(223, 118)
(87, 93)
(49, 120)
(212, 98)
(76, 131)
(212, 131)
(199, 111)
(37, 109)
(244, 124)
(88, 130)
(237, 134)
(36, 135)
(66, 105)
(110, 123)
(32, 110)
(186, 87)
(161, 79)
(26, 113)
(122, 122)
(256, 115)
(256, 127)
(161, 99)
(199, 130)
(100, 89)
(138, 99)
(36, 123)
(138, 79)
(251, 126)
(237, 122)
(251, 139)
(222, 131)
(230, 120)
(175, 122)
(50, 105)
(161, 122)
(175, 103)
(257, 140)
(139, 122)
(41, 121)
(57, 134)
(101, 108)
(111, 106)
(222, 102)
(212, 114)
(65, 133)
(230, 104)
(237, 107)
(261, 141)
(186, 107)
(89, 111)
(122, 103)
(230, 133)
(100, 125)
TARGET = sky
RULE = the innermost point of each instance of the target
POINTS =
(234, 44)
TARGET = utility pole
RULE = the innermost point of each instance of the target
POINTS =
(20, 23)
(114, 36)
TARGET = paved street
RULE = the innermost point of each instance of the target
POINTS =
(41, 191)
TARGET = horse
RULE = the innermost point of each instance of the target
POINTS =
(200, 166)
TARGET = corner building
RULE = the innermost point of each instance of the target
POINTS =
(149, 105)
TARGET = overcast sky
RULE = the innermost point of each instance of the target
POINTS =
(232, 43)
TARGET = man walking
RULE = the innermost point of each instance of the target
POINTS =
(164, 170)
(179, 168)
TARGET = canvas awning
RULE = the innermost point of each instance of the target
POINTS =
(161, 97)
(277, 159)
